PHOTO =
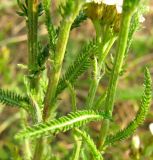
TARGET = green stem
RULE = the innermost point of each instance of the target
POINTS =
(122, 43)
(100, 101)
(93, 86)
(41, 143)
(77, 150)
(59, 56)
(78, 139)
(37, 118)
(54, 78)
(123, 37)
(26, 143)
(32, 25)
(56, 72)
(73, 96)
(97, 71)
(39, 149)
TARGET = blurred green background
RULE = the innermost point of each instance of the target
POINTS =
(13, 51)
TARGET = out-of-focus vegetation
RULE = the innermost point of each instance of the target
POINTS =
(13, 51)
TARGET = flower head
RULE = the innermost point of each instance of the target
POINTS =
(95, 11)
(118, 3)
(108, 12)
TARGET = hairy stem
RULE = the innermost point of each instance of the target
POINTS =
(97, 71)
(39, 149)
(26, 143)
(59, 56)
(123, 37)
(54, 78)
(109, 103)
(32, 25)
(56, 72)
(77, 149)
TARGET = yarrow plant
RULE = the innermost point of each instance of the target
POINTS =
(115, 21)
(117, 3)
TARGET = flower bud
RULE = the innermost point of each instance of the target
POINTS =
(151, 128)
(117, 23)
(136, 142)
(109, 15)
(95, 11)
(106, 14)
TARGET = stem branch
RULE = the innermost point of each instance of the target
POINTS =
(109, 103)
(59, 56)
(97, 71)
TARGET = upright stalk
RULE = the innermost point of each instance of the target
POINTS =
(39, 149)
(77, 148)
(49, 101)
(59, 56)
(109, 103)
(105, 48)
(26, 143)
(32, 25)
(54, 77)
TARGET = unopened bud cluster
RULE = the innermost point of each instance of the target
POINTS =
(106, 14)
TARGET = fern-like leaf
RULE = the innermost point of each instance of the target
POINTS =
(96, 154)
(141, 115)
(79, 19)
(65, 123)
(13, 99)
(80, 65)
(52, 33)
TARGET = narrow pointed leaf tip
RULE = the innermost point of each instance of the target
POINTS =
(141, 115)
(62, 124)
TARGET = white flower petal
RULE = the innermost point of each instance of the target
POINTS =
(89, 1)
(119, 9)
(119, 2)
(109, 2)
(95, 1)
(151, 128)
